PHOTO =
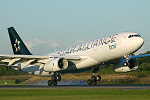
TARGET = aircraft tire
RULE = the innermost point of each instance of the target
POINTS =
(98, 78)
(55, 83)
(58, 78)
(93, 78)
(49, 83)
(89, 82)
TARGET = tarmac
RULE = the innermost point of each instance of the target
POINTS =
(108, 86)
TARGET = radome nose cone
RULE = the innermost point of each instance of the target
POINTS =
(141, 41)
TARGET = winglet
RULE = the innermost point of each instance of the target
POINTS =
(17, 44)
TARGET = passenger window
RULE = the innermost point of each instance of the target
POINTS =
(136, 35)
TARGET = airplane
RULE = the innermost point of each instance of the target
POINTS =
(114, 49)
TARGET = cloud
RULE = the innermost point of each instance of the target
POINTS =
(38, 46)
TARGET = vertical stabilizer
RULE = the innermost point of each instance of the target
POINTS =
(17, 44)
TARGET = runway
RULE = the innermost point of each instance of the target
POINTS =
(116, 86)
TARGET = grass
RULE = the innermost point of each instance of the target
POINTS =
(74, 94)
(7, 82)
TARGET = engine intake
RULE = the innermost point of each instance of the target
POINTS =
(56, 64)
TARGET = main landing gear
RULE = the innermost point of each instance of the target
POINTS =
(54, 80)
(94, 79)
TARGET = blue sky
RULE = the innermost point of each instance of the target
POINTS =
(48, 25)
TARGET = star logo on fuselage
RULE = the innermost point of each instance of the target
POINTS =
(17, 45)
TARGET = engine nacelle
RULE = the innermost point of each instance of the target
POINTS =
(122, 66)
(56, 64)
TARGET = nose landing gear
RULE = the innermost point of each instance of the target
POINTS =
(127, 57)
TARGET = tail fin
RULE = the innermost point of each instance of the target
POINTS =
(17, 44)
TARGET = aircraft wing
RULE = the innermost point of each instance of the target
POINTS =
(28, 59)
(140, 56)
(10, 66)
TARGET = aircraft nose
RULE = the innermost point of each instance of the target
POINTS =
(141, 41)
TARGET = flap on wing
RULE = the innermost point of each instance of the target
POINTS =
(27, 59)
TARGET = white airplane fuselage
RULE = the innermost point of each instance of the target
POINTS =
(94, 52)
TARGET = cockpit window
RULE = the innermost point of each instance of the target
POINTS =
(130, 36)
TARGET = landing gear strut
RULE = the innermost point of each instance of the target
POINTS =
(94, 79)
(54, 80)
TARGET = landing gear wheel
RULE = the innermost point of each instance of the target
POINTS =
(98, 78)
(89, 82)
(49, 83)
(58, 78)
(55, 83)
(93, 78)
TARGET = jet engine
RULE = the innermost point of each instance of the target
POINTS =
(124, 66)
(56, 64)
